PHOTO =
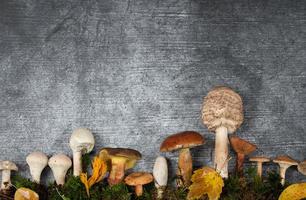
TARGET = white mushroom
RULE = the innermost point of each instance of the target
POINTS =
(7, 167)
(59, 165)
(284, 163)
(37, 161)
(160, 173)
(81, 142)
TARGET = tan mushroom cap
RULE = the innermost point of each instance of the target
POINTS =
(8, 165)
(222, 107)
(242, 146)
(130, 155)
(186, 139)
(302, 167)
(138, 178)
(285, 160)
(261, 159)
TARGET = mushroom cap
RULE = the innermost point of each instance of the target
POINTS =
(60, 160)
(285, 160)
(160, 171)
(261, 159)
(138, 178)
(242, 146)
(37, 158)
(82, 139)
(186, 139)
(8, 165)
(130, 155)
(222, 107)
(302, 167)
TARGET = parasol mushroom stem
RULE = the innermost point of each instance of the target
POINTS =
(221, 151)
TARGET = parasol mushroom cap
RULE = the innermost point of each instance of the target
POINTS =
(242, 146)
(261, 159)
(138, 178)
(222, 107)
(8, 165)
(82, 139)
(130, 155)
(285, 160)
(302, 167)
(186, 139)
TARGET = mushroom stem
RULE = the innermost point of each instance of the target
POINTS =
(259, 169)
(6, 179)
(221, 151)
(77, 163)
(117, 172)
(185, 166)
(138, 190)
(239, 163)
(282, 172)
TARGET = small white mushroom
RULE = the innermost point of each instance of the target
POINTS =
(284, 163)
(160, 173)
(37, 161)
(81, 141)
(7, 167)
(59, 165)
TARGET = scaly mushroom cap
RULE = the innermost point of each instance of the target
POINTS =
(8, 165)
(285, 160)
(130, 155)
(138, 178)
(82, 139)
(261, 159)
(302, 167)
(222, 107)
(242, 146)
(186, 139)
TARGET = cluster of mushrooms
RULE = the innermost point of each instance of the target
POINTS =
(222, 113)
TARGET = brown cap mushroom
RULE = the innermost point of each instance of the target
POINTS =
(138, 179)
(6, 167)
(242, 148)
(121, 159)
(302, 167)
(284, 163)
(222, 113)
(259, 160)
(183, 141)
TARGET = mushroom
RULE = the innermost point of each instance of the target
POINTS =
(222, 113)
(302, 167)
(37, 161)
(183, 141)
(81, 141)
(6, 167)
(25, 194)
(259, 160)
(138, 179)
(160, 173)
(121, 159)
(284, 163)
(59, 165)
(242, 148)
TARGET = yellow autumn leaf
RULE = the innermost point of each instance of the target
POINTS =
(294, 192)
(205, 181)
(25, 194)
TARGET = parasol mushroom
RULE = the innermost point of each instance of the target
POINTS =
(242, 148)
(138, 179)
(284, 163)
(37, 161)
(302, 167)
(222, 113)
(259, 160)
(6, 167)
(183, 141)
(121, 159)
(59, 165)
(81, 141)
(160, 173)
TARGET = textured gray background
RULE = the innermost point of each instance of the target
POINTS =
(137, 71)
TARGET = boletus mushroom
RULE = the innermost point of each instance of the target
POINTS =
(183, 141)
(59, 165)
(6, 167)
(242, 149)
(284, 163)
(37, 161)
(160, 174)
(81, 142)
(302, 167)
(222, 113)
(260, 160)
(138, 179)
(120, 159)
